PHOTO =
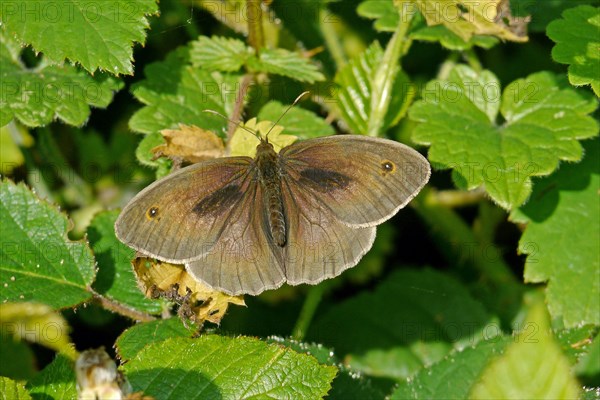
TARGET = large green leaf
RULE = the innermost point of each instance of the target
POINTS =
(36, 96)
(562, 239)
(578, 44)
(229, 368)
(532, 367)
(97, 35)
(37, 260)
(115, 278)
(412, 319)
(543, 120)
(132, 340)
(452, 377)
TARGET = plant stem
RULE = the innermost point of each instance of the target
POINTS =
(472, 60)
(385, 75)
(332, 40)
(121, 309)
(238, 107)
(311, 303)
(256, 36)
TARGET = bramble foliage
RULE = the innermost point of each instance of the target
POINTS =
(494, 267)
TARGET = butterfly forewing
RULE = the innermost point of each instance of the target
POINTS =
(180, 217)
(363, 181)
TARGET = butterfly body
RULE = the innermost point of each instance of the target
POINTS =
(305, 214)
(269, 172)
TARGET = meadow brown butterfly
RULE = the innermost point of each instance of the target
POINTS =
(303, 215)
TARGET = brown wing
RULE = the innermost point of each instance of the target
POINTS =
(362, 180)
(180, 217)
(244, 259)
(319, 246)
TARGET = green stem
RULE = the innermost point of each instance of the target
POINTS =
(256, 36)
(472, 60)
(311, 303)
(332, 40)
(385, 75)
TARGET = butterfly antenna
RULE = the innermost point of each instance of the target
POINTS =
(238, 123)
(286, 111)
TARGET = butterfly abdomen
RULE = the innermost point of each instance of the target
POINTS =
(270, 180)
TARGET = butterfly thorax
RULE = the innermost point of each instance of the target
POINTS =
(270, 181)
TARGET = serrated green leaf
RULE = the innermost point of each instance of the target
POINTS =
(134, 339)
(37, 261)
(174, 92)
(286, 63)
(453, 377)
(37, 96)
(544, 118)
(532, 367)
(297, 122)
(219, 53)
(578, 44)
(96, 35)
(55, 381)
(359, 80)
(562, 239)
(421, 309)
(115, 279)
(348, 384)
(12, 390)
(229, 368)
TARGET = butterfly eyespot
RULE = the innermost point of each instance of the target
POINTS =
(152, 213)
(387, 166)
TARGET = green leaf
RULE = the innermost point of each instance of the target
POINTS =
(286, 63)
(36, 96)
(426, 313)
(175, 92)
(37, 259)
(359, 80)
(577, 44)
(532, 367)
(55, 381)
(12, 390)
(97, 35)
(115, 279)
(219, 53)
(544, 118)
(215, 366)
(562, 239)
(384, 13)
(453, 377)
(132, 340)
(348, 384)
(297, 122)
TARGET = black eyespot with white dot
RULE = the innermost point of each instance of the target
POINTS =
(152, 213)
(387, 167)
